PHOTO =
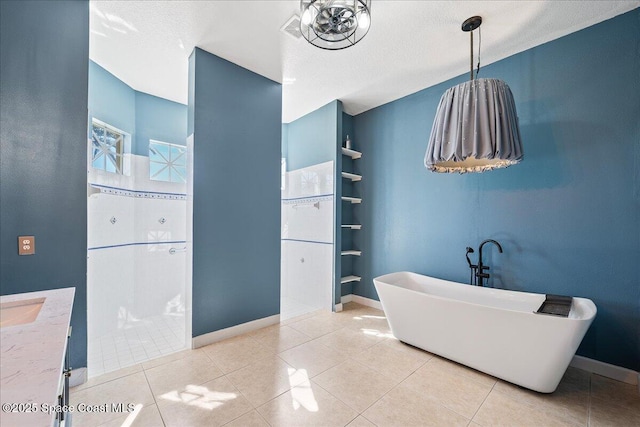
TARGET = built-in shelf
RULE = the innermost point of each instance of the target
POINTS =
(351, 252)
(347, 279)
(351, 153)
(351, 176)
(352, 226)
(352, 199)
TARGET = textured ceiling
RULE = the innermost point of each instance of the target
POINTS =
(411, 45)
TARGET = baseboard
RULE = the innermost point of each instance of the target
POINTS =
(606, 370)
(78, 376)
(361, 300)
(338, 307)
(243, 328)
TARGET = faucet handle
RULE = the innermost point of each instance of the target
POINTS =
(484, 267)
(483, 275)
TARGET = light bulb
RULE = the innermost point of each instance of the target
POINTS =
(306, 17)
(364, 20)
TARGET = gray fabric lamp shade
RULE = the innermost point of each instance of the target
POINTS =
(475, 129)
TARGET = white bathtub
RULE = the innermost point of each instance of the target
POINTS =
(491, 330)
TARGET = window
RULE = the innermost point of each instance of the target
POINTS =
(107, 147)
(167, 162)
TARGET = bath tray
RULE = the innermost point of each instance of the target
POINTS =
(556, 305)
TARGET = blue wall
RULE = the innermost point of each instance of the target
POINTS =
(141, 115)
(311, 139)
(111, 100)
(568, 217)
(236, 122)
(158, 119)
(44, 55)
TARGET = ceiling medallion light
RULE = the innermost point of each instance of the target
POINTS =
(334, 24)
(476, 124)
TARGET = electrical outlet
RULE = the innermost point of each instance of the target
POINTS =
(26, 245)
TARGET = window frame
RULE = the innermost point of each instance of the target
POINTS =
(123, 147)
(170, 166)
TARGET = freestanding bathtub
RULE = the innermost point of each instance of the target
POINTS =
(491, 330)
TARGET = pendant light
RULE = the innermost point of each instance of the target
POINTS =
(334, 24)
(476, 124)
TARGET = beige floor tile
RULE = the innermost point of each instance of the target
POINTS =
(109, 377)
(306, 404)
(193, 369)
(313, 357)
(142, 416)
(318, 325)
(454, 368)
(570, 401)
(355, 384)
(458, 393)
(416, 352)
(354, 307)
(263, 380)
(349, 340)
(130, 389)
(169, 358)
(372, 321)
(361, 421)
(301, 317)
(213, 403)
(614, 391)
(605, 413)
(279, 338)
(577, 378)
(500, 410)
(404, 407)
(235, 353)
(388, 361)
(250, 419)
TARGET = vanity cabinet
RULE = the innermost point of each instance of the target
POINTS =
(34, 336)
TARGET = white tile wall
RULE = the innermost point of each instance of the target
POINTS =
(136, 293)
(307, 267)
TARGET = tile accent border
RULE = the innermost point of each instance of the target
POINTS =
(243, 328)
(138, 193)
(307, 199)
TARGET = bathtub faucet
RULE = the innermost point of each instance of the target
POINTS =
(481, 275)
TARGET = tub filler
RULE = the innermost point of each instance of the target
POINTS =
(492, 330)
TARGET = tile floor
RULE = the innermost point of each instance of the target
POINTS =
(339, 369)
(140, 341)
(290, 308)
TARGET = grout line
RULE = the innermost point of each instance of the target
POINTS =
(483, 401)
(154, 397)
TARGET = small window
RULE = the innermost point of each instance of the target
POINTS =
(167, 162)
(107, 147)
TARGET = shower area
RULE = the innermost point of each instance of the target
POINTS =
(307, 247)
(138, 170)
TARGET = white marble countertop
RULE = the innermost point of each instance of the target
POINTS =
(32, 358)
